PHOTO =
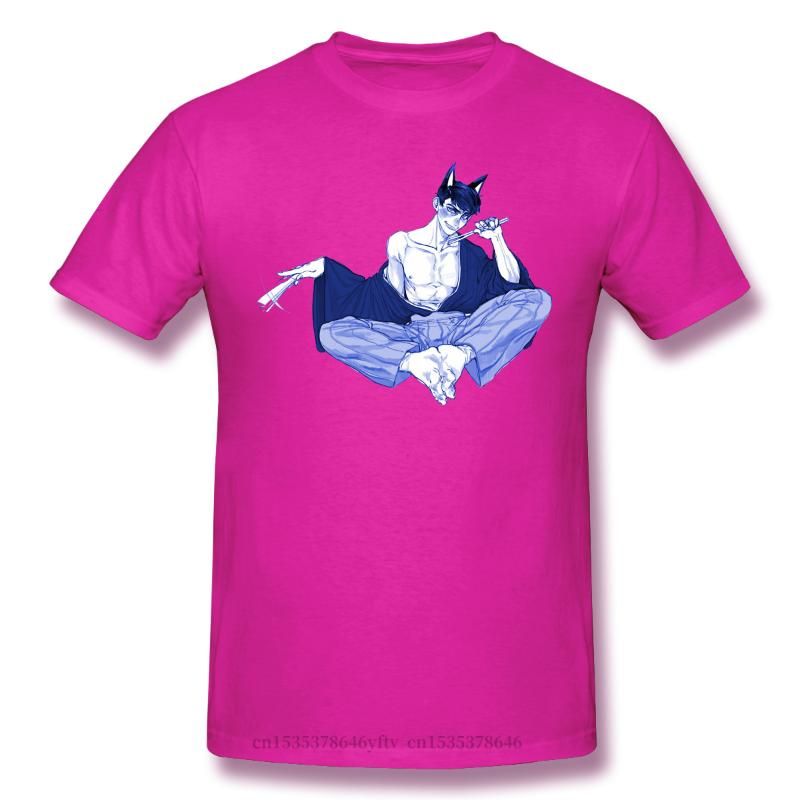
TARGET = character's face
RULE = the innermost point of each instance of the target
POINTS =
(451, 217)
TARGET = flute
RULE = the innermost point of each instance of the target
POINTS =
(270, 299)
(465, 235)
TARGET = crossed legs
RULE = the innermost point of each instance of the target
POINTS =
(437, 350)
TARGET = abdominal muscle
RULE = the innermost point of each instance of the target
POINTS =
(430, 276)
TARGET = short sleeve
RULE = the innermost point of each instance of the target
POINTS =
(669, 263)
(137, 260)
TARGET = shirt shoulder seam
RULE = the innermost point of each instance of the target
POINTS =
(626, 187)
(196, 181)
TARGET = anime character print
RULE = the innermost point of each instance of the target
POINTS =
(438, 305)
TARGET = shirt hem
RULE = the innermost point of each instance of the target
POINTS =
(582, 744)
(700, 309)
(76, 290)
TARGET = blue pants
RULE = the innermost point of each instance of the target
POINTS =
(497, 331)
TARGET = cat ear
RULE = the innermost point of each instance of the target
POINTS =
(450, 177)
(477, 184)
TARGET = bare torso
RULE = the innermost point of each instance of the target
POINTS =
(424, 274)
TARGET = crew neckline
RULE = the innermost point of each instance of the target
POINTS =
(496, 54)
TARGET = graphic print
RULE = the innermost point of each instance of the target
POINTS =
(437, 306)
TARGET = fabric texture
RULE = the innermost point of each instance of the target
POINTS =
(401, 580)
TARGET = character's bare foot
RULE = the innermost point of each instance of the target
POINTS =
(426, 367)
(454, 359)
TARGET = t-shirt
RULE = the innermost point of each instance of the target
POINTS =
(402, 247)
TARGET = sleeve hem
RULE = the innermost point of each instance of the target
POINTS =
(700, 309)
(76, 290)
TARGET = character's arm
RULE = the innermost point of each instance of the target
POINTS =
(507, 264)
(395, 249)
(491, 280)
(312, 269)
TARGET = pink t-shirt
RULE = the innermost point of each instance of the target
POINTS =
(401, 571)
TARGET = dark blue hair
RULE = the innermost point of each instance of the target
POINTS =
(465, 195)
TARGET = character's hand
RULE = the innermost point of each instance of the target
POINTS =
(454, 359)
(313, 269)
(489, 228)
(426, 367)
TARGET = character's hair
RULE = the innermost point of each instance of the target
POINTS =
(465, 195)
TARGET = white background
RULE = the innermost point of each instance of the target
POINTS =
(108, 440)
